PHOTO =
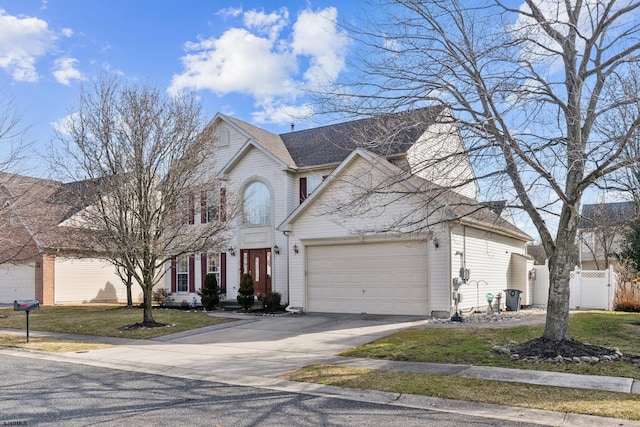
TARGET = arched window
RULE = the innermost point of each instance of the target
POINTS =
(223, 137)
(257, 204)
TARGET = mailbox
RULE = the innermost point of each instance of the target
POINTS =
(26, 305)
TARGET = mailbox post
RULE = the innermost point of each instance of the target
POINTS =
(26, 306)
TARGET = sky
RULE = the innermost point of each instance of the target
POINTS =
(242, 58)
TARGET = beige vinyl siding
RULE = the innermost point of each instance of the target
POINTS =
(439, 272)
(256, 166)
(442, 141)
(519, 278)
(488, 258)
(221, 155)
(89, 280)
(17, 282)
(321, 222)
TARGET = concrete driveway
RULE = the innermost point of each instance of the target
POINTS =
(264, 347)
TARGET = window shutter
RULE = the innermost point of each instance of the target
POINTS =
(174, 272)
(192, 275)
(223, 273)
(192, 209)
(203, 207)
(223, 204)
(303, 189)
(203, 269)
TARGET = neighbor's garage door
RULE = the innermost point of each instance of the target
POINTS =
(376, 278)
(17, 282)
(88, 280)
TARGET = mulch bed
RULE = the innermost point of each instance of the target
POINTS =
(545, 349)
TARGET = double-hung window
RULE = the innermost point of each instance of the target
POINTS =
(182, 274)
(209, 207)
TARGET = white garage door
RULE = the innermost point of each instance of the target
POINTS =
(17, 282)
(375, 278)
(79, 281)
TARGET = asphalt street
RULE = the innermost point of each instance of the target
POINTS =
(38, 392)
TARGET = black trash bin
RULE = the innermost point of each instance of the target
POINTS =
(512, 300)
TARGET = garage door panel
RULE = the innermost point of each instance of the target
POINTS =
(381, 278)
(17, 282)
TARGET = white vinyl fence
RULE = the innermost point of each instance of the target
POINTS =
(589, 289)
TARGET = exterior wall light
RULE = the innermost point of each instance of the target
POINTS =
(276, 250)
(232, 252)
(295, 249)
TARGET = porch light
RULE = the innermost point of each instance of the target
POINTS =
(232, 252)
(276, 250)
(436, 243)
(295, 249)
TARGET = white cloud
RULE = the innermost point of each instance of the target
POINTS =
(230, 12)
(282, 114)
(270, 24)
(22, 41)
(64, 124)
(555, 11)
(238, 61)
(65, 70)
(316, 35)
(267, 59)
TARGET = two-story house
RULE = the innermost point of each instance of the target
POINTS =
(601, 230)
(357, 217)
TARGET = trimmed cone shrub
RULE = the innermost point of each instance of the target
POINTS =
(271, 301)
(210, 293)
(245, 293)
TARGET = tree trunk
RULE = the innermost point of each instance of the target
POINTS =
(560, 266)
(147, 292)
(128, 284)
(557, 323)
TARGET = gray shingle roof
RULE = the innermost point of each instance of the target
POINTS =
(270, 141)
(387, 135)
(607, 214)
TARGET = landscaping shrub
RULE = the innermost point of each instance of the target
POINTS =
(271, 301)
(210, 292)
(245, 293)
(160, 297)
(627, 297)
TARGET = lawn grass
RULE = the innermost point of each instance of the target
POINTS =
(589, 402)
(47, 344)
(105, 320)
(474, 346)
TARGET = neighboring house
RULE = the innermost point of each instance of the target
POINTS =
(601, 230)
(300, 237)
(39, 257)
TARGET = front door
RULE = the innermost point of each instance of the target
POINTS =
(257, 262)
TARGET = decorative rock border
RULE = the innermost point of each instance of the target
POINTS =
(615, 354)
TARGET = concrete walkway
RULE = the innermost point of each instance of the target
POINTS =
(256, 351)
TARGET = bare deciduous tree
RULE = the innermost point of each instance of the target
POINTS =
(16, 193)
(540, 93)
(143, 156)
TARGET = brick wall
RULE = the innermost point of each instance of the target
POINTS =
(45, 279)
